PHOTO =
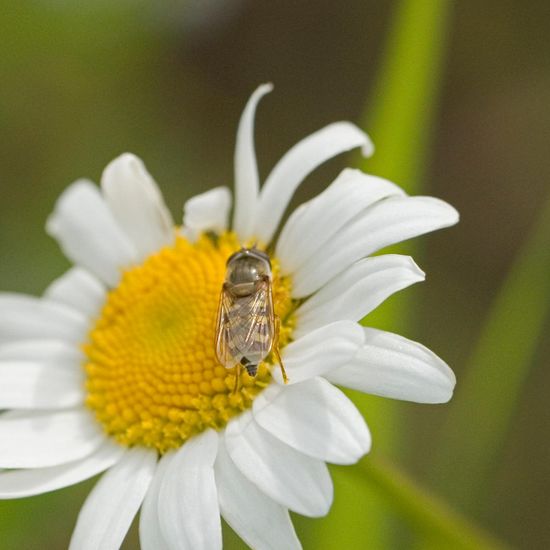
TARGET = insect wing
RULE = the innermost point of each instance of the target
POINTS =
(227, 353)
(257, 339)
(245, 326)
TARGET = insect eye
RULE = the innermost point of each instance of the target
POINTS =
(262, 256)
(233, 257)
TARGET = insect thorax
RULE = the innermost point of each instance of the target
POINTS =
(245, 268)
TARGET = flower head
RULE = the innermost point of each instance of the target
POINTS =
(115, 367)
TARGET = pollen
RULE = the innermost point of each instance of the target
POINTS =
(152, 377)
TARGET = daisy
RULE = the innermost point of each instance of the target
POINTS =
(114, 368)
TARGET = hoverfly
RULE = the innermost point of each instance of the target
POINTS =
(247, 329)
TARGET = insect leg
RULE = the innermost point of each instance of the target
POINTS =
(237, 378)
(276, 351)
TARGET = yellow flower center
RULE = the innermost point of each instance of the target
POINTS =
(152, 374)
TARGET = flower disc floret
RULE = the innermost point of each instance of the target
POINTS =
(152, 375)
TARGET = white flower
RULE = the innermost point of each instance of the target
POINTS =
(113, 368)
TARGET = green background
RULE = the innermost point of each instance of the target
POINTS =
(168, 80)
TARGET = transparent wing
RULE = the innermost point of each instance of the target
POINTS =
(226, 351)
(245, 326)
(256, 341)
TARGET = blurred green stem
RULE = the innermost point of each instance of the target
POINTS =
(405, 99)
(425, 514)
(488, 393)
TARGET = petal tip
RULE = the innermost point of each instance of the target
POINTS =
(125, 162)
(78, 186)
(265, 88)
(126, 157)
(364, 141)
(367, 150)
(51, 225)
(443, 391)
(258, 94)
(448, 392)
(418, 273)
(452, 216)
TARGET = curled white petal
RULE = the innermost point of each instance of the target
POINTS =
(357, 291)
(313, 223)
(392, 366)
(247, 182)
(314, 418)
(296, 164)
(88, 233)
(386, 222)
(113, 503)
(206, 212)
(320, 351)
(257, 519)
(292, 479)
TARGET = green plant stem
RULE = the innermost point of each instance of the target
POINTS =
(425, 514)
(489, 391)
(405, 99)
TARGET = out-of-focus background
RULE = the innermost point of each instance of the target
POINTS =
(82, 82)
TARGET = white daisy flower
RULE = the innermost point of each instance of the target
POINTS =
(114, 368)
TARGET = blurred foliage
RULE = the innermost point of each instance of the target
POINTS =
(497, 371)
(83, 82)
(432, 520)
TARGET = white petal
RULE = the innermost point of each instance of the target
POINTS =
(137, 204)
(39, 439)
(40, 385)
(393, 366)
(314, 418)
(88, 233)
(296, 164)
(79, 289)
(49, 351)
(188, 500)
(206, 212)
(257, 519)
(292, 479)
(320, 351)
(150, 535)
(247, 183)
(110, 508)
(386, 222)
(26, 317)
(357, 291)
(313, 223)
(26, 483)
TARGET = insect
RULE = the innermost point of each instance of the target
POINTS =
(247, 329)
